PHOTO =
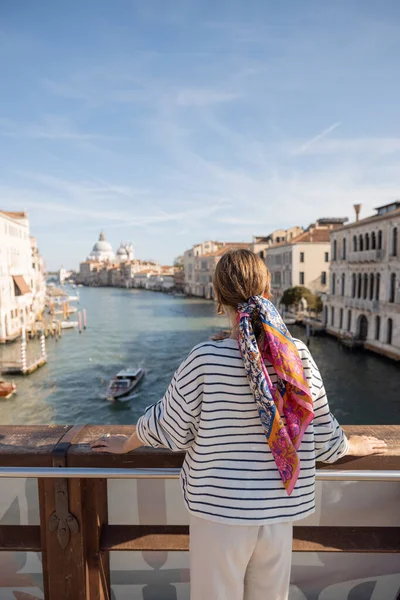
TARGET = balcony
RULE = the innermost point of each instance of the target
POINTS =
(105, 524)
(363, 304)
(366, 256)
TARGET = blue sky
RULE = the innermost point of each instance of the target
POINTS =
(167, 122)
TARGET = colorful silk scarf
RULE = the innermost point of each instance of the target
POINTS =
(291, 397)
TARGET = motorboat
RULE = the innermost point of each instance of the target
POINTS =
(7, 389)
(124, 383)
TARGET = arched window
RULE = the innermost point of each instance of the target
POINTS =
(333, 285)
(392, 290)
(378, 286)
(334, 257)
(389, 331)
(377, 328)
(361, 243)
(379, 240)
(353, 285)
(354, 243)
(371, 286)
(349, 320)
(332, 316)
(373, 240)
(344, 249)
(359, 290)
(341, 319)
(367, 241)
(343, 286)
(365, 293)
(394, 242)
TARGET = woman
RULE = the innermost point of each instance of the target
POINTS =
(251, 412)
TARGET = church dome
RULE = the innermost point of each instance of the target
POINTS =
(102, 250)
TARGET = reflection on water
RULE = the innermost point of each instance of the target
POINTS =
(155, 331)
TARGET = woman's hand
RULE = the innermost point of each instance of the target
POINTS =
(221, 335)
(365, 445)
(113, 444)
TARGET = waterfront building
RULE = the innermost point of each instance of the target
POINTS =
(364, 299)
(102, 250)
(22, 281)
(125, 253)
(302, 260)
(194, 286)
(262, 243)
(199, 266)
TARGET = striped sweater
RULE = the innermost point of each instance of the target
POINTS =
(229, 474)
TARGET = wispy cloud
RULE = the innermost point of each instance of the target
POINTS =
(322, 134)
(50, 128)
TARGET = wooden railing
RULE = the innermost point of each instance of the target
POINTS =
(75, 538)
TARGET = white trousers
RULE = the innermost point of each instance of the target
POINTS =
(239, 562)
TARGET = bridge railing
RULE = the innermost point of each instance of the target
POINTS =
(82, 517)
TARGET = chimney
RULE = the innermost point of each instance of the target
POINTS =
(357, 208)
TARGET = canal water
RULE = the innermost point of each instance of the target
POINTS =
(156, 332)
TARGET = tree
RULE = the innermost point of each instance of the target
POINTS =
(178, 263)
(293, 295)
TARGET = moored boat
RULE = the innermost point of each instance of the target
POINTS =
(124, 383)
(7, 389)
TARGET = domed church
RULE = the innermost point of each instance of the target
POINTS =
(125, 252)
(102, 250)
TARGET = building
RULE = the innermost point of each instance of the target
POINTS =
(22, 281)
(364, 299)
(200, 262)
(125, 253)
(194, 280)
(302, 260)
(102, 250)
(262, 243)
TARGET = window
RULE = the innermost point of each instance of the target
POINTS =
(203, 265)
(301, 256)
(323, 278)
(377, 328)
(389, 331)
(365, 294)
(333, 287)
(301, 278)
(394, 242)
(341, 319)
(332, 316)
(334, 250)
(367, 241)
(392, 290)
(359, 287)
(371, 286)
(262, 254)
(361, 243)
(343, 285)
(353, 285)
(354, 243)
(326, 256)
(349, 320)
(373, 240)
(379, 240)
(344, 249)
(377, 286)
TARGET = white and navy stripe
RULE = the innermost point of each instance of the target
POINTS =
(229, 474)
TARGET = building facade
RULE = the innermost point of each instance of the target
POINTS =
(262, 243)
(302, 261)
(22, 280)
(364, 299)
(196, 279)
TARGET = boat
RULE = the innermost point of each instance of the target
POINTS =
(7, 389)
(289, 320)
(124, 383)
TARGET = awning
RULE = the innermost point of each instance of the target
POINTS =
(21, 287)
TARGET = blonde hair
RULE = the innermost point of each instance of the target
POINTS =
(239, 275)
